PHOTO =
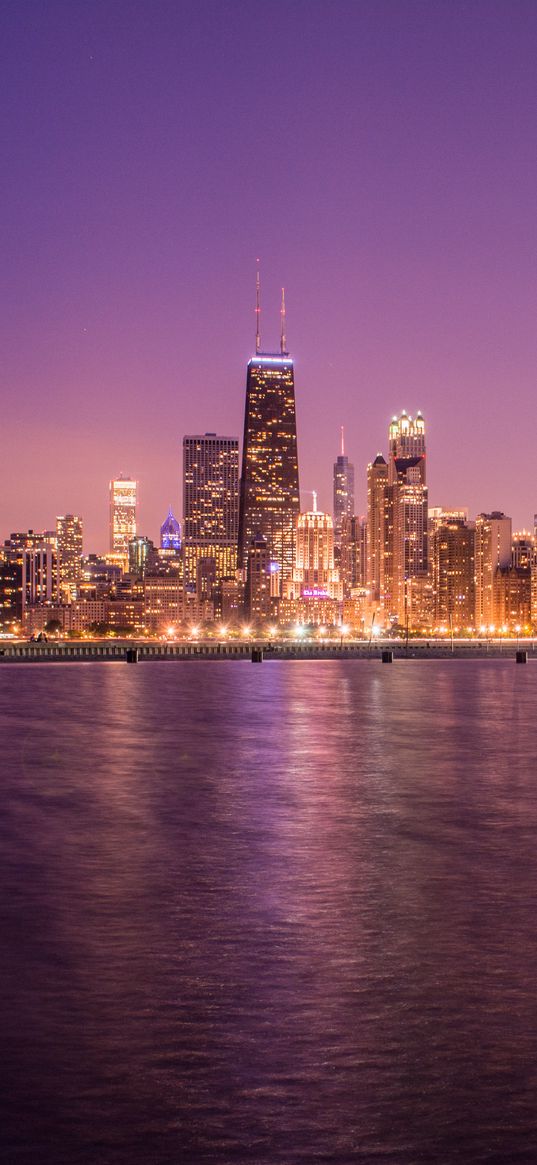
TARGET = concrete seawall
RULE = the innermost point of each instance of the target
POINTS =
(118, 650)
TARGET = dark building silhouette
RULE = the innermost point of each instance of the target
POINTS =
(269, 490)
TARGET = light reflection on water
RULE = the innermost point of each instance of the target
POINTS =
(275, 914)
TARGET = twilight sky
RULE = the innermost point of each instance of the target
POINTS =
(378, 155)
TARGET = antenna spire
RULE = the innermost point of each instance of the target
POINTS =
(314, 492)
(342, 441)
(283, 338)
(257, 312)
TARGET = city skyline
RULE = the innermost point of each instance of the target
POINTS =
(400, 217)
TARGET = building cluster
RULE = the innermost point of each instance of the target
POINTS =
(248, 554)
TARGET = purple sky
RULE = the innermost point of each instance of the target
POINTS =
(380, 157)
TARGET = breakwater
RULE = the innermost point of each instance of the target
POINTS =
(144, 652)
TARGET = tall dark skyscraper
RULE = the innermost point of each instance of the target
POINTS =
(269, 493)
(343, 490)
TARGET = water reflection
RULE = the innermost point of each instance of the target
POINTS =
(276, 914)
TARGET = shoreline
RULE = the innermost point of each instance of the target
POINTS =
(259, 650)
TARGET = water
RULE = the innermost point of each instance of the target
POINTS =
(276, 914)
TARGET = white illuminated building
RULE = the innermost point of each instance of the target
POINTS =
(314, 574)
(122, 514)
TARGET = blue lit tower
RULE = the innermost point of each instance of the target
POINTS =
(170, 533)
(269, 491)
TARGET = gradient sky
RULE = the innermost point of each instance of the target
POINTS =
(380, 157)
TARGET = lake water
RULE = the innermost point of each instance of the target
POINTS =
(276, 914)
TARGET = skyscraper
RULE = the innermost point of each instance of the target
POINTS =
(406, 475)
(122, 514)
(39, 573)
(353, 553)
(453, 563)
(379, 535)
(269, 497)
(257, 596)
(210, 506)
(343, 490)
(69, 536)
(492, 553)
(141, 552)
(315, 568)
(36, 554)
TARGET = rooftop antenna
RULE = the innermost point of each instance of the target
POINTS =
(283, 338)
(257, 312)
(342, 441)
(314, 495)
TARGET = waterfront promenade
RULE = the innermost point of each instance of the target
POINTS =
(143, 651)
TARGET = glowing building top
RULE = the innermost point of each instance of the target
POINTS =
(407, 436)
(170, 533)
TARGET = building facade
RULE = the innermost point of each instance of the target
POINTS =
(492, 552)
(407, 477)
(210, 505)
(69, 535)
(379, 536)
(453, 569)
(123, 501)
(257, 597)
(343, 491)
(269, 492)
(353, 553)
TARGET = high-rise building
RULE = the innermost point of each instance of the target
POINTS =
(524, 551)
(379, 536)
(40, 575)
(492, 552)
(123, 491)
(36, 553)
(269, 497)
(315, 575)
(170, 533)
(257, 595)
(163, 600)
(513, 598)
(353, 553)
(407, 476)
(210, 505)
(141, 550)
(343, 490)
(10, 591)
(69, 537)
(453, 567)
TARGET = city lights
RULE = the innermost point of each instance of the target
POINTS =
(247, 562)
